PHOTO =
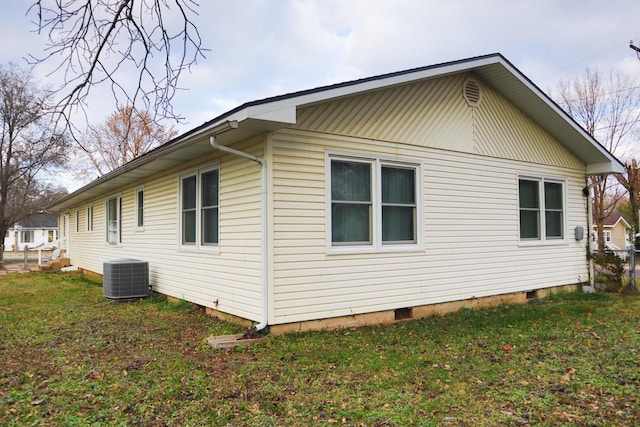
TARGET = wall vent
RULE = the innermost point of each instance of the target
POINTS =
(471, 92)
(403, 313)
(125, 279)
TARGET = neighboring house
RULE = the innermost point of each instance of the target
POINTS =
(615, 231)
(38, 230)
(355, 203)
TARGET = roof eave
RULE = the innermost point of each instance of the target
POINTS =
(274, 113)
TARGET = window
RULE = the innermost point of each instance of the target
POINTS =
(113, 213)
(200, 209)
(90, 218)
(398, 204)
(77, 221)
(50, 236)
(607, 236)
(351, 202)
(27, 236)
(542, 215)
(373, 202)
(140, 207)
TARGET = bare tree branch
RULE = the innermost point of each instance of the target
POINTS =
(28, 146)
(125, 135)
(609, 109)
(106, 42)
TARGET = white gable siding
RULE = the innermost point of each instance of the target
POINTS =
(471, 234)
(434, 114)
(431, 113)
(505, 132)
(232, 277)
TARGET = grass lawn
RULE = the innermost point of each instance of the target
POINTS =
(69, 357)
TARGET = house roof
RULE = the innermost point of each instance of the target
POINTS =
(270, 114)
(40, 220)
(613, 219)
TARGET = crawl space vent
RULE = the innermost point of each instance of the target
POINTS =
(471, 92)
(125, 279)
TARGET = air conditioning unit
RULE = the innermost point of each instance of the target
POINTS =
(125, 279)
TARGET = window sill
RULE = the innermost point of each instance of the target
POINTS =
(199, 249)
(528, 244)
(360, 250)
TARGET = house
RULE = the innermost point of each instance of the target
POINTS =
(38, 230)
(615, 231)
(367, 201)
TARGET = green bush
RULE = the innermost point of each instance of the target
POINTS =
(610, 269)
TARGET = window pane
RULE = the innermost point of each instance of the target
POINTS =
(112, 221)
(398, 185)
(209, 211)
(398, 224)
(140, 208)
(529, 224)
(189, 226)
(553, 223)
(552, 195)
(529, 194)
(350, 181)
(210, 188)
(350, 223)
(90, 218)
(210, 226)
(189, 192)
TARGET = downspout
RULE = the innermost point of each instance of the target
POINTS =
(263, 213)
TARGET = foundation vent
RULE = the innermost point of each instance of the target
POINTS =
(471, 92)
(403, 313)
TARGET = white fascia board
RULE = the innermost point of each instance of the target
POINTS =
(280, 111)
(284, 110)
(611, 164)
(605, 168)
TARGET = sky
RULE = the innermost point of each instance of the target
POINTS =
(262, 48)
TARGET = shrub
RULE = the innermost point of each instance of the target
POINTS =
(610, 269)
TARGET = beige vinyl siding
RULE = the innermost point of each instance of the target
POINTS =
(435, 114)
(431, 113)
(505, 132)
(231, 277)
(471, 233)
(619, 234)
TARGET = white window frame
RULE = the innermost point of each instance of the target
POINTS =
(544, 240)
(24, 233)
(118, 199)
(90, 218)
(198, 245)
(138, 215)
(376, 244)
(606, 234)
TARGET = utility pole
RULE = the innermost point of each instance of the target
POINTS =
(634, 47)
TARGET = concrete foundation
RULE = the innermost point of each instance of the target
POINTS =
(440, 309)
(387, 316)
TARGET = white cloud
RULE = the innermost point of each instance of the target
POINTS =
(262, 48)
